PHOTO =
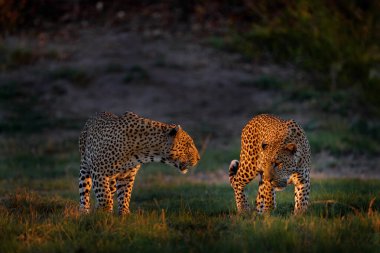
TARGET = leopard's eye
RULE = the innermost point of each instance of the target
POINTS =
(264, 145)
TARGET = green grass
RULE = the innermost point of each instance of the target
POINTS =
(170, 212)
(213, 159)
(25, 112)
(341, 136)
(190, 217)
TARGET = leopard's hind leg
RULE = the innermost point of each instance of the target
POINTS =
(85, 184)
(239, 180)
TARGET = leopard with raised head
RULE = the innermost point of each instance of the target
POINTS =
(279, 153)
(113, 148)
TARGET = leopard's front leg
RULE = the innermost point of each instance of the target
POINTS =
(124, 185)
(301, 192)
(102, 192)
(266, 197)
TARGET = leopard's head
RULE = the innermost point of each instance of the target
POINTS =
(279, 158)
(181, 152)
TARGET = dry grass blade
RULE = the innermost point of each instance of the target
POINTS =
(370, 207)
(205, 142)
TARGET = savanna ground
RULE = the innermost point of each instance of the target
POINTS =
(53, 78)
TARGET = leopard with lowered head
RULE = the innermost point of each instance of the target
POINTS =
(113, 148)
(278, 152)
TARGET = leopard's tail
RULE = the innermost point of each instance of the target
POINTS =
(234, 166)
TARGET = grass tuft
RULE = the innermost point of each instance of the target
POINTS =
(136, 74)
(78, 77)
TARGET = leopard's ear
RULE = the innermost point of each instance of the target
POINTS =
(174, 130)
(292, 147)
